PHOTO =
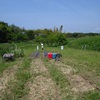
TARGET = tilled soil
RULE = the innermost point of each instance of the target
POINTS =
(7, 75)
(42, 87)
(78, 83)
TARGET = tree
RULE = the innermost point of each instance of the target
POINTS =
(3, 32)
(39, 39)
(61, 39)
(30, 34)
(52, 39)
(16, 29)
(61, 28)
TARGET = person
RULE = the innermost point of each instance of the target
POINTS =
(42, 46)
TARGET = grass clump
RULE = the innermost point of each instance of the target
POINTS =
(91, 95)
(5, 65)
(60, 80)
(58, 77)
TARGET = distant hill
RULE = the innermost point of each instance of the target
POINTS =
(88, 43)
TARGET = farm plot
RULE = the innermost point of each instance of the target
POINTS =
(78, 87)
(42, 79)
(42, 87)
(7, 75)
(78, 83)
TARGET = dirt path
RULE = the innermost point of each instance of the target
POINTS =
(7, 75)
(78, 83)
(42, 87)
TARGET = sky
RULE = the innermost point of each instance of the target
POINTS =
(74, 15)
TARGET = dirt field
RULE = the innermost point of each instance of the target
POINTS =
(41, 85)
(5, 78)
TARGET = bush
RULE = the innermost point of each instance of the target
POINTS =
(12, 48)
(3, 50)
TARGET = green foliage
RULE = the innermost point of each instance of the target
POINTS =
(60, 80)
(3, 51)
(4, 48)
(62, 39)
(3, 32)
(40, 39)
(11, 48)
(30, 34)
(18, 52)
(89, 43)
(9, 33)
(86, 63)
(52, 39)
(23, 75)
(3, 67)
(91, 95)
(58, 77)
(12, 33)
(79, 35)
(17, 87)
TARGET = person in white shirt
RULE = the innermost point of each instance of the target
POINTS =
(42, 46)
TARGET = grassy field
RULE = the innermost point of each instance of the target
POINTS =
(86, 43)
(75, 77)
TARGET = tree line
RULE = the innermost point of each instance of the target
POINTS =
(53, 37)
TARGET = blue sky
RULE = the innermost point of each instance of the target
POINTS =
(74, 15)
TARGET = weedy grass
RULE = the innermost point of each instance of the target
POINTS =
(91, 95)
(4, 47)
(60, 80)
(5, 65)
(86, 43)
(25, 50)
(86, 62)
(17, 87)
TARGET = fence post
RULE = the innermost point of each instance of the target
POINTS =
(62, 47)
(37, 47)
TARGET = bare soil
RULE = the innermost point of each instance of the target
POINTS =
(7, 75)
(42, 87)
(78, 83)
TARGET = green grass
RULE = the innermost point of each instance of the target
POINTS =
(85, 62)
(28, 49)
(57, 76)
(86, 43)
(17, 87)
(4, 47)
(91, 95)
(60, 80)
(5, 65)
